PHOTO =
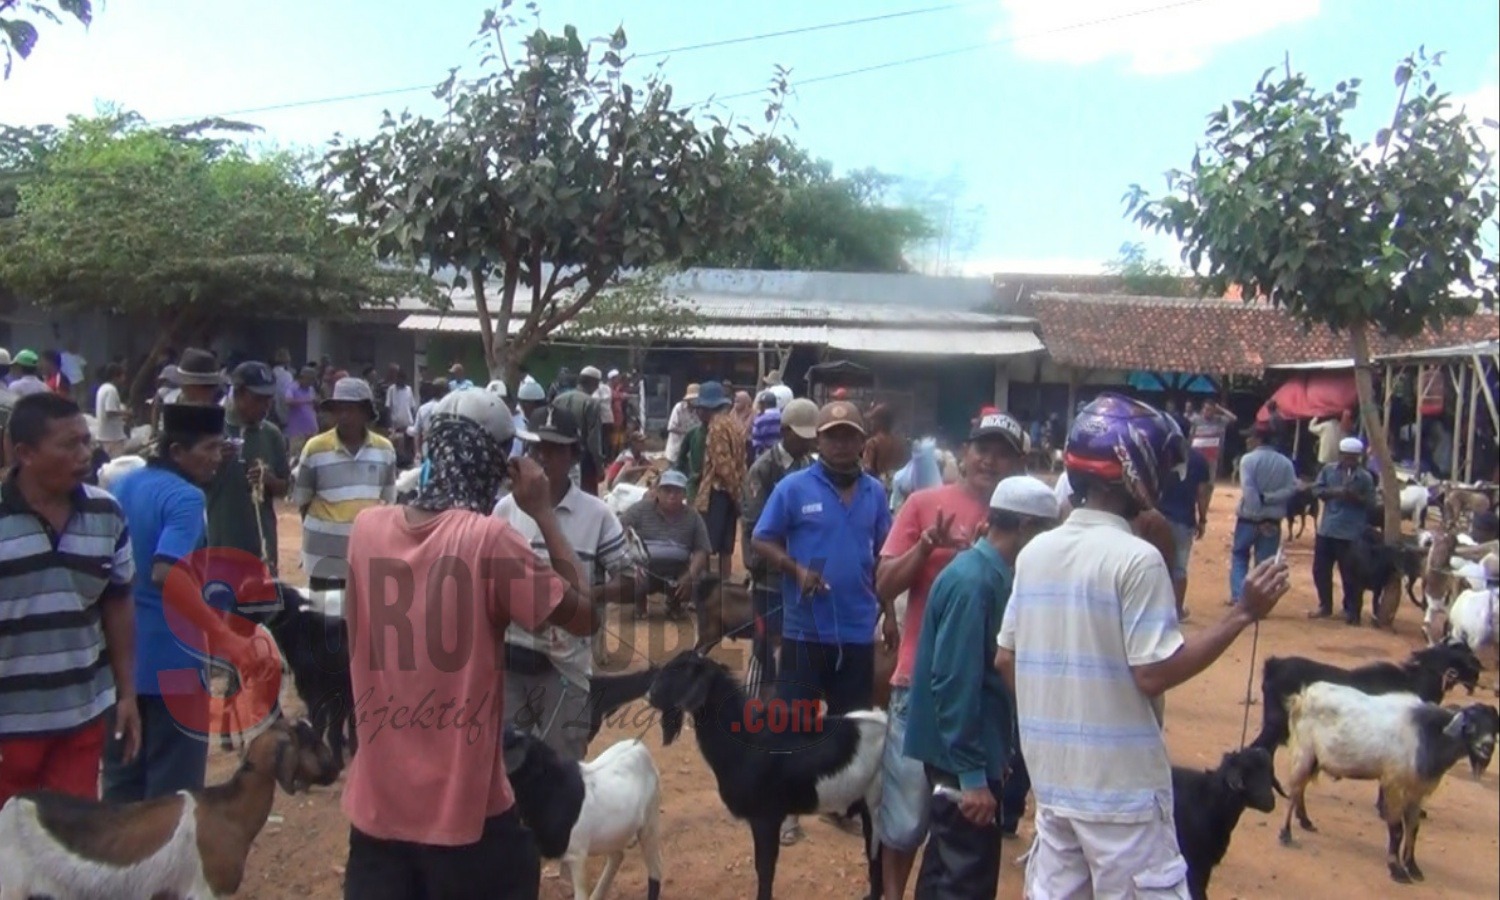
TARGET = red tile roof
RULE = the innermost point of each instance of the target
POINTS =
(1209, 336)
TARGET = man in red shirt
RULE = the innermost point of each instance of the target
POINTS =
(430, 807)
(929, 529)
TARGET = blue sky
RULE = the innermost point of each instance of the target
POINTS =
(1037, 133)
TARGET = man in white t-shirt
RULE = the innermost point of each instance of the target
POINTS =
(1089, 644)
(548, 672)
(111, 416)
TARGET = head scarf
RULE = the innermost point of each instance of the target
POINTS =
(465, 467)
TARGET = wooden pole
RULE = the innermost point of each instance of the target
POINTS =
(1385, 412)
(1473, 432)
(1458, 420)
(1489, 397)
(1421, 398)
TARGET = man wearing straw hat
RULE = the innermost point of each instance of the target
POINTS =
(681, 423)
(241, 513)
(344, 470)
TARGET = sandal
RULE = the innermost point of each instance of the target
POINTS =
(791, 834)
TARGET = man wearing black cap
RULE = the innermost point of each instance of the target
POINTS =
(547, 682)
(165, 508)
(258, 456)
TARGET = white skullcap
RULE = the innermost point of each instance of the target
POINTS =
(1351, 445)
(531, 391)
(1025, 496)
(590, 372)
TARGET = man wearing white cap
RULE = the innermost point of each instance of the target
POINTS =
(1347, 490)
(606, 399)
(961, 722)
(588, 412)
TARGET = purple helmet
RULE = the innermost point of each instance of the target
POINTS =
(1123, 440)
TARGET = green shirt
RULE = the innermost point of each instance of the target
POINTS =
(695, 444)
(231, 513)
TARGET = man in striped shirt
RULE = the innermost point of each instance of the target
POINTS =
(67, 628)
(343, 470)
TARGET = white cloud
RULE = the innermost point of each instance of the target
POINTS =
(1478, 106)
(1155, 37)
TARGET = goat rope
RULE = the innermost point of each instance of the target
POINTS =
(1249, 682)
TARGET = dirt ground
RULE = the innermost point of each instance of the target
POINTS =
(302, 851)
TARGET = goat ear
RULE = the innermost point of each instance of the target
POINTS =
(1455, 726)
(286, 763)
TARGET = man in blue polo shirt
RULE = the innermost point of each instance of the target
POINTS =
(822, 528)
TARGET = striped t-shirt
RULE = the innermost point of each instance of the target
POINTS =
(1091, 600)
(54, 668)
(335, 485)
(599, 541)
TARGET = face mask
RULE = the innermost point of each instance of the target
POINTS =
(841, 478)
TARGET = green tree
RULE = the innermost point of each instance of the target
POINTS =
(814, 220)
(546, 179)
(178, 227)
(18, 36)
(640, 312)
(1142, 275)
(1385, 237)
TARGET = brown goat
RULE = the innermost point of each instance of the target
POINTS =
(191, 844)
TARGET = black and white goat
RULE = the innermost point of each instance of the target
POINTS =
(1207, 804)
(1428, 673)
(767, 771)
(595, 808)
(190, 844)
(607, 693)
(1396, 739)
(316, 649)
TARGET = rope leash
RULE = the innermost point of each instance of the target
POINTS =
(1249, 682)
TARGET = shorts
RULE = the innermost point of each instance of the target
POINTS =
(1182, 542)
(1076, 860)
(723, 520)
(905, 812)
(67, 763)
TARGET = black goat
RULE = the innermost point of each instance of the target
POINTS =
(549, 794)
(608, 693)
(1428, 673)
(808, 763)
(316, 648)
(1207, 804)
(1302, 505)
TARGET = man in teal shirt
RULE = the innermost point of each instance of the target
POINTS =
(961, 718)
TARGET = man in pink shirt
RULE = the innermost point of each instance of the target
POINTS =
(929, 529)
(432, 587)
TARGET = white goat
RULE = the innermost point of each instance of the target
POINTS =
(191, 844)
(1415, 499)
(596, 808)
(115, 469)
(1396, 739)
(1474, 619)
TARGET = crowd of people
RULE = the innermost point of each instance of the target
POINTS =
(1040, 624)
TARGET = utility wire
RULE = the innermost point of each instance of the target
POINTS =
(707, 45)
(994, 42)
(912, 60)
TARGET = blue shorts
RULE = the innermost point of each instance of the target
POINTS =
(905, 794)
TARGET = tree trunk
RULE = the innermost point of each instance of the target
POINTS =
(1386, 601)
(143, 382)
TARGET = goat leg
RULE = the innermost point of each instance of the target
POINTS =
(1413, 823)
(767, 835)
(872, 852)
(1393, 853)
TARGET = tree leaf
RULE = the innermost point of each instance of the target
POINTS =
(1403, 74)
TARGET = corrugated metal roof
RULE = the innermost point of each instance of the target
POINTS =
(934, 341)
(916, 340)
